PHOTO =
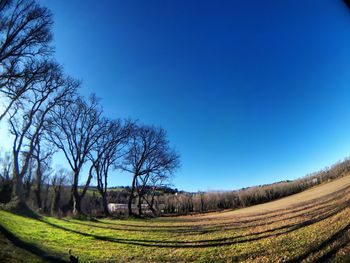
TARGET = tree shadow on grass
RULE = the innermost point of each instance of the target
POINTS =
(184, 244)
(20, 208)
(30, 247)
(211, 242)
(250, 217)
(190, 230)
(342, 233)
(239, 223)
(197, 243)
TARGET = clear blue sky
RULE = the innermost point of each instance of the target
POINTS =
(250, 92)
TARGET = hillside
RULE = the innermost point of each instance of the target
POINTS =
(310, 226)
(310, 195)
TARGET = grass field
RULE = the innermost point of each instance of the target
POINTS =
(312, 226)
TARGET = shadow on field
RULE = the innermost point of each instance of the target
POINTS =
(247, 222)
(254, 216)
(212, 242)
(203, 229)
(342, 234)
(307, 214)
(30, 247)
(305, 210)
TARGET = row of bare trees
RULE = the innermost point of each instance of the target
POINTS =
(185, 203)
(45, 114)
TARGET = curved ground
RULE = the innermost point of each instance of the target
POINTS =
(312, 226)
(310, 194)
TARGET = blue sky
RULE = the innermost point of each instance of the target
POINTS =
(250, 92)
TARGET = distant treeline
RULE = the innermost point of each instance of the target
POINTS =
(185, 203)
(164, 199)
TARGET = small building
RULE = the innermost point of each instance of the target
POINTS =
(123, 208)
(315, 181)
(112, 207)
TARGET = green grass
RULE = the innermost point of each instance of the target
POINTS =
(10, 253)
(316, 229)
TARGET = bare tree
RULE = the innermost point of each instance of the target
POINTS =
(149, 154)
(30, 115)
(25, 36)
(42, 158)
(75, 130)
(110, 147)
(149, 189)
(28, 179)
(18, 87)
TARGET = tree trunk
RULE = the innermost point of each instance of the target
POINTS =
(131, 196)
(18, 189)
(38, 196)
(56, 200)
(27, 187)
(38, 185)
(75, 194)
(46, 198)
(103, 192)
(140, 207)
(105, 204)
(76, 203)
(150, 204)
